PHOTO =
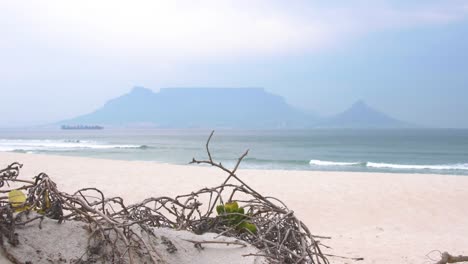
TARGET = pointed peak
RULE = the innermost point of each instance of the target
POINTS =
(361, 115)
(360, 104)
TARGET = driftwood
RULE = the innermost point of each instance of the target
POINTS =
(447, 258)
(278, 234)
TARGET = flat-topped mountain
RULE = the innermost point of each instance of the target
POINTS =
(198, 107)
(361, 115)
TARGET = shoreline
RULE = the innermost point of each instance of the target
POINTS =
(389, 171)
(382, 217)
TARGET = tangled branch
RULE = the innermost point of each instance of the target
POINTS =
(118, 233)
(445, 258)
(281, 236)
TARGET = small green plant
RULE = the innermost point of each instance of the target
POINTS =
(235, 217)
(17, 200)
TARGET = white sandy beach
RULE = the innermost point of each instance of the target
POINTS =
(382, 217)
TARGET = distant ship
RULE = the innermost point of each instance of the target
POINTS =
(87, 127)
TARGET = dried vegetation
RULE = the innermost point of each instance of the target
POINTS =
(232, 209)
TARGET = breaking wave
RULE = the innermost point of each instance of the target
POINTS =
(379, 165)
(460, 166)
(27, 145)
(332, 163)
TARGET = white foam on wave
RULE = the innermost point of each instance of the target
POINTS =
(332, 163)
(46, 144)
(461, 166)
(380, 165)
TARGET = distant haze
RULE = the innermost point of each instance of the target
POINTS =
(198, 108)
(408, 59)
(223, 108)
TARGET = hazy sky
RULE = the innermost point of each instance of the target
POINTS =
(59, 59)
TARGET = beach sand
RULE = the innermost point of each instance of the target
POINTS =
(382, 217)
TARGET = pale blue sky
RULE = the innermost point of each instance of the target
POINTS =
(59, 60)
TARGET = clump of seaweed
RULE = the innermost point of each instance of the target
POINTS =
(232, 209)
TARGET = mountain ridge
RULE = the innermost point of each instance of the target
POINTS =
(200, 107)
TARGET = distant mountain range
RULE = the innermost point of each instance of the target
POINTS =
(223, 108)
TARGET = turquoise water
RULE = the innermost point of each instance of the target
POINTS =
(416, 151)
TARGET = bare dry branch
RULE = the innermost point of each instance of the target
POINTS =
(447, 258)
(278, 234)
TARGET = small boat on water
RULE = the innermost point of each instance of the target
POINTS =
(85, 127)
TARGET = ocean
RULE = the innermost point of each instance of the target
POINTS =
(440, 151)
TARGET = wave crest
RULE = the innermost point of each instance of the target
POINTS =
(381, 165)
(460, 166)
(332, 163)
(46, 144)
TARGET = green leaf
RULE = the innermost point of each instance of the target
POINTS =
(249, 226)
(231, 207)
(220, 209)
(17, 199)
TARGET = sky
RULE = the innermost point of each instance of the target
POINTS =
(61, 59)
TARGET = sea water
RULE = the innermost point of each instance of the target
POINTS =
(443, 151)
